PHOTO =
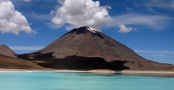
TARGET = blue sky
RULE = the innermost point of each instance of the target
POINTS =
(146, 26)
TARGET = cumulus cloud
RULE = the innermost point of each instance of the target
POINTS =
(75, 13)
(81, 13)
(124, 29)
(11, 20)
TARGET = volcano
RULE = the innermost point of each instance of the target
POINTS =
(88, 48)
(6, 51)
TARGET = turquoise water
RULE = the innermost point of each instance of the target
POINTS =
(80, 81)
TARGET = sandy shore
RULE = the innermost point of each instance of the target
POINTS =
(103, 72)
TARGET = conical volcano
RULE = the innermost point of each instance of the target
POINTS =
(6, 51)
(87, 48)
(88, 42)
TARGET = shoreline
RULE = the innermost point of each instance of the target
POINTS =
(95, 70)
(154, 73)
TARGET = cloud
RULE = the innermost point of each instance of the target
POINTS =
(155, 51)
(124, 29)
(11, 20)
(26, 48)
(159, 55)
(151, 21)
(81, 13)
(75, 13)
(165, 4)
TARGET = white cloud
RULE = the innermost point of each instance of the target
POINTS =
(165, 4)
(75, 13)
(124, 29)
(81, 13)
(26, 48)
(11, 20)
(151, 21)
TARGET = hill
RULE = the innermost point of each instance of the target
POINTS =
(5, 50)
(14, 63)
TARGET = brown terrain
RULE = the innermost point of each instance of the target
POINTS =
(14, 63)
(8, 60)
(5, 50)
(87, 49)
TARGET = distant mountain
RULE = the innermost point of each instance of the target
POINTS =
(87, 48)
(5, 50)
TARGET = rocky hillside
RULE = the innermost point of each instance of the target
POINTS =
(5, 50)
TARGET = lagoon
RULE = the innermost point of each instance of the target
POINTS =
(81, 81)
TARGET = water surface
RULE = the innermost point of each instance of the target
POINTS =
(80, 81)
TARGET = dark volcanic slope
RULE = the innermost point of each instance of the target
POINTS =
(5, 50)
(87, 45)
(14, 63)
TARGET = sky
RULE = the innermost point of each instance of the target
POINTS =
(145, 26)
